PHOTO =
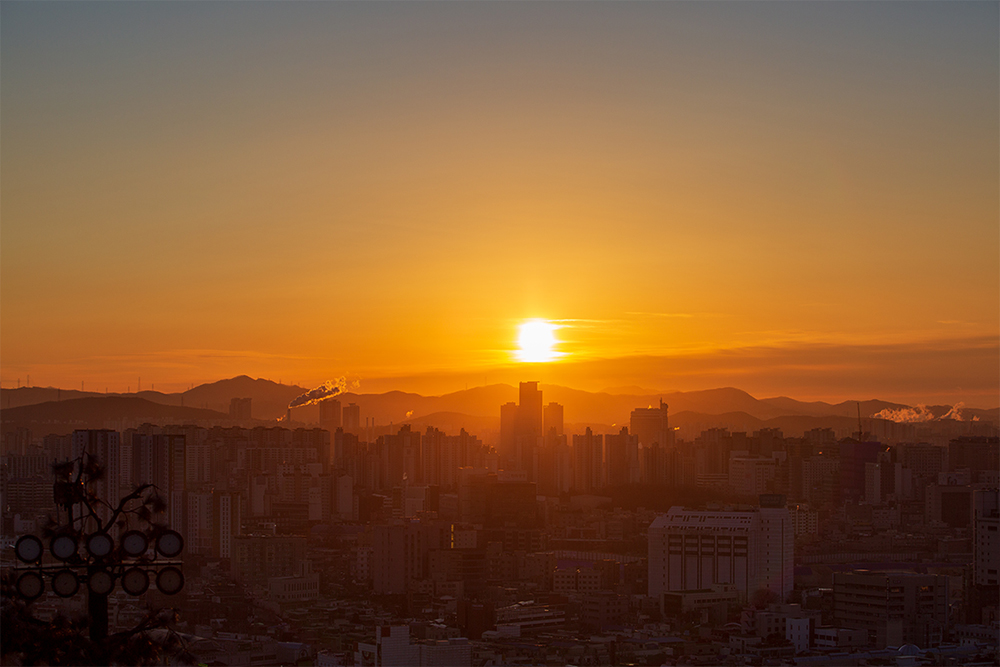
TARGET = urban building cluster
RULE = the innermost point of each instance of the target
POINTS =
(539, 546)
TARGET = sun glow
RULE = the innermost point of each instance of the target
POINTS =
(537, 342)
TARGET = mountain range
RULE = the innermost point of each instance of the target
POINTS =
(476, 409)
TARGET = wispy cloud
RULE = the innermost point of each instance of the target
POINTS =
(637, 313)
(198, 354)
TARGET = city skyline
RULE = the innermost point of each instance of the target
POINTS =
(790, 199)
(499, 333)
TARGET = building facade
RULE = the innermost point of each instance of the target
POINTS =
(695, 549)
(895, 608)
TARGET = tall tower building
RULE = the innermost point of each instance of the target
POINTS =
(160, 459)
(651, 425)
(588, 461)
(552, 418)
(529, 410)
(621, 458)
(352, 417)
(521, 429)
(329, 414)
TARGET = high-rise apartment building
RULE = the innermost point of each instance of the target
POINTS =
(329, 414)
(975, 453)
(986, 533)
(352, 417)
(924, 459)
(751, 476)
(552, 419)
(529, 410)
(651, 425)
(621, 458)
(588, 461)
(213, 520)
(159, 459)
(853, 457)
(521, 427)
(697, 549)
(105, 447)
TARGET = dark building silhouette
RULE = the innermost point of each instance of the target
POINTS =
(621, 458)
(651, 425)
(552, 418)
(529, 410)
(521, 427)
(588, 463)
(352, 417)
(853, 457)
(975, 453)
(239, 408)
(329, 414)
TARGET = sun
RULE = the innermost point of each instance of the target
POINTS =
(537, 342)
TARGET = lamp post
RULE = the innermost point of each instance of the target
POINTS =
(83, 552)
(98, 568)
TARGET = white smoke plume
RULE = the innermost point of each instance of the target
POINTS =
(906, 415)
(955, 412)
(919, 414)
(328, 389)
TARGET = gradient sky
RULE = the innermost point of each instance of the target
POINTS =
(791, 198)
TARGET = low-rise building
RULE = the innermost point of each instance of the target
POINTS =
(895, 608)
(829, 637)
(714, 602)
(529, 616)
(294, 589)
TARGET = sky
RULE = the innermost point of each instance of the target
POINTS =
(792, 198)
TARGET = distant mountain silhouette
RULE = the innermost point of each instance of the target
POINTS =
(99, 412)
(790, 406)
(269, 399)
(478, 407)
(634, 390)
(15, 398)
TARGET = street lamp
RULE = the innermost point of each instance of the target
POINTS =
(99, 564)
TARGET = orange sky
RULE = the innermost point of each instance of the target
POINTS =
(788, 198)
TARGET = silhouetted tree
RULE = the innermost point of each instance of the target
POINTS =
(27, 640)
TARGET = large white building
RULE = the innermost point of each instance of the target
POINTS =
(695, 549)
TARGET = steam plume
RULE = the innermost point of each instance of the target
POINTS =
(328, 389)
(906, 415)
(920, 414)
(955, 412)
